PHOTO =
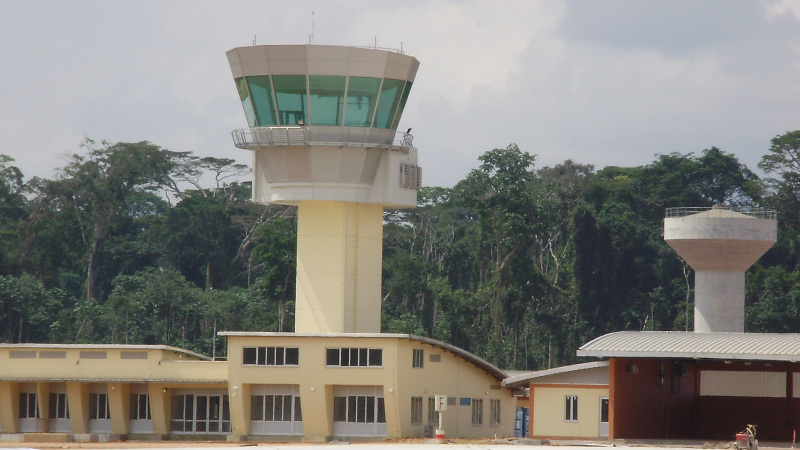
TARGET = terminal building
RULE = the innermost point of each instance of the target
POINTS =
(323, 134)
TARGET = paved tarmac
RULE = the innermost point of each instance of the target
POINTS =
(356, 446)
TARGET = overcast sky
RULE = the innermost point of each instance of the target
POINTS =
(599, 82)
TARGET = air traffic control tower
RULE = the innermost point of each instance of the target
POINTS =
(323, 132)
(720, 244)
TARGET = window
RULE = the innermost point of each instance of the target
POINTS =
(359, 409)
(133, 355)
(200, 414)
(270, 356)
(261, 90)
(28, 408)
(275, 408)
(416, 410)
(391, 92)
(433, 415)
(419, 357)
(362, 94)
(477, 411)
(58, 406)
(140, 407)
(326, 99)
(571, 409)
(98, 406)
(494, 418)
(354, 357)
(290, 93)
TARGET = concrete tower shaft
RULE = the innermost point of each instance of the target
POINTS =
(720, 245)
(322, 128)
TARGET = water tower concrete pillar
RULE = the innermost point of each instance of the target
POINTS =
(720, 245)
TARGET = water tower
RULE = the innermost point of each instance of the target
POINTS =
(323, 132)
(720, 245)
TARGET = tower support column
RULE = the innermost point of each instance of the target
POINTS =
(339, 263)
(714, 310)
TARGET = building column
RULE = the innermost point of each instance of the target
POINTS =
(239, 404)
(531, 392)
(78, 403)
(393, 422)
(613, 369)
(317, 412)
(160, 408)
(43, 400)
(119, 405)
(9, 406)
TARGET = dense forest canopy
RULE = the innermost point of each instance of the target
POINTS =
(519, 264)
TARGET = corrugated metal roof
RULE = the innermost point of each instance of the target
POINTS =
(521, 380)
(681, 344)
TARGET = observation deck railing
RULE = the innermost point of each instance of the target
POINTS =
(684, 211)
(253, 138)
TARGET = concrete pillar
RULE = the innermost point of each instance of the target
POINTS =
(239, 403)
(119, 405)
(78, 403)
(9, 406)
(393, 422)
(715, 308)
(43, 400)
(160, 408)
(339, 262)
(317, 404)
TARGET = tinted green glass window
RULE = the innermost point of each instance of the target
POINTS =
(387, 105)
(244, 96)
(399, 112)
(290, 93)
(261, 91)
(362, 94)
(326, 99)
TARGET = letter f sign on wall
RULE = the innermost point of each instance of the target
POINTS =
(441, 403)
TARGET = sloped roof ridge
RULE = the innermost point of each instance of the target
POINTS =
(682, 344)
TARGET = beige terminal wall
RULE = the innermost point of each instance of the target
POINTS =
(453, 376)
(548, 415)
(79, 370)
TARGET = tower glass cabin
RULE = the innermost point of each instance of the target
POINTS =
(323, 131)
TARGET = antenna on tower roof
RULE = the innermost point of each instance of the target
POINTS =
(312, 27)
(254, 40)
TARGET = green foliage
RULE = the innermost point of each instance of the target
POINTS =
(518, 264)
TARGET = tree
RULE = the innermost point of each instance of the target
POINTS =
(783, 160)
(96, 188)
(13, 210)
(154, 306)
(28, 311)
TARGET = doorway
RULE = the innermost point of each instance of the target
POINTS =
(604, 418)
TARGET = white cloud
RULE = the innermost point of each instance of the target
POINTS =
(782, 8)
(463, 46)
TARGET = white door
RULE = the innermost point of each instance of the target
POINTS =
(604, 418)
